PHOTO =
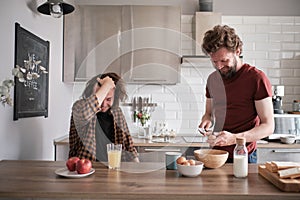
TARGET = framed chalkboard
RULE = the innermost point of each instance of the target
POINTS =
(32, 58)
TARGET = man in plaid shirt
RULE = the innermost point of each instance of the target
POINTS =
(97, 120)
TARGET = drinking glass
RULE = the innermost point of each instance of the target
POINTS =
(114, 152)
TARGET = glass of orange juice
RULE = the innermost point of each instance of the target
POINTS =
(114, 152)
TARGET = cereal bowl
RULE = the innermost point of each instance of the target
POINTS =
(190, 170)
(212, 158)
(290, 139)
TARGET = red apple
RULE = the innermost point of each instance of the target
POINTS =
(83, 166)
(71, 163)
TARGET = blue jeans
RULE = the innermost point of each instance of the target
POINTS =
(252, 158)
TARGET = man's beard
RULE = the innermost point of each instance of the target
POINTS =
(231, 71)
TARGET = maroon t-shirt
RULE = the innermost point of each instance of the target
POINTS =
(233, 101)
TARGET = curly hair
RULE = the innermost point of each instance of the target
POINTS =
(120, 91)
(221, 36)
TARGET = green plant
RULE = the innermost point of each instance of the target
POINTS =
(5, 87)
(143, 117)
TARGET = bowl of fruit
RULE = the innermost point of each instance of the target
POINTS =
(189, 167)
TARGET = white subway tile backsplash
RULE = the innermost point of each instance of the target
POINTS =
(274, 55)
(232, 20)
(256, 20)
(190, 115)
(268, 63)
(278, 37)
(271, 43)
(296, 90)
(265, 28)
(243, 28)
(291, 81)
(290, 64)
(256, 54)
(297, 72)
(287, 55)
(255, 37)
(274, 81)
(291, 46)
(282, 20)
(297, 20)
(271, 46)
(280, 72)
(290, 28)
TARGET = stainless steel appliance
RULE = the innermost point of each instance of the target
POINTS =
(278, 93)
(286, 124)
(142, 43)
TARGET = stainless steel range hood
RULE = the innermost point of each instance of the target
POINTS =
(142, 43)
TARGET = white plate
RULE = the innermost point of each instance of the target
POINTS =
(66, 173)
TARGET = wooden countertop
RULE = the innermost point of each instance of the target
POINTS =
(36, 179)
(180, 142)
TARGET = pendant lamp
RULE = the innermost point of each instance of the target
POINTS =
(55, 8)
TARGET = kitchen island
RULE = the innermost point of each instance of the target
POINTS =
(37, 180)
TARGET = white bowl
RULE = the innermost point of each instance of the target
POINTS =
(191, 170)
(288, 139)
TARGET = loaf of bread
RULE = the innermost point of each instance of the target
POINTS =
(275, 166)
(290, 173)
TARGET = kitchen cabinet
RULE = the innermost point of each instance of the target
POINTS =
(61, 148)
(278, 154)
(155, 152)
(142, 43)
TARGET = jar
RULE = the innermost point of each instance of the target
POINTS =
(296, 106)
(240, 158)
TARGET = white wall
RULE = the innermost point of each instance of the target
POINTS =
(32, 138)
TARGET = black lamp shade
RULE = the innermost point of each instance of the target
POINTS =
(45, 8)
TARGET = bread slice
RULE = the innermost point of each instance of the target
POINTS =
(279, 165)
(271, 167)
(289, 173)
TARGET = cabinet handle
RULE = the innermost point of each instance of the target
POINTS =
(286, 150)
(161, 150)
(148, 80)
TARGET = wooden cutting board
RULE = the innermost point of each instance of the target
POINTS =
(293, 112)
(286, 185)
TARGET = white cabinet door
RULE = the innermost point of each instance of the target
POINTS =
(61, 152)
(277, 154)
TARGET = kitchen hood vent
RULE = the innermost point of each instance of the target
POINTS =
(142, 43)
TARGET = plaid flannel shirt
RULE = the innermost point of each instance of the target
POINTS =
(82, 138)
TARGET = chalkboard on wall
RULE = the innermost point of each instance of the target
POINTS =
(31, 95)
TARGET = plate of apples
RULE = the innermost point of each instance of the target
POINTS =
(76, 168)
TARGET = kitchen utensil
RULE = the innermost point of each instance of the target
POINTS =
(140, 104)
(171, 158)
(290, 139)
(191, 170)
(204, 131)
(212, 158)
(134, 108)
(287, 185)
